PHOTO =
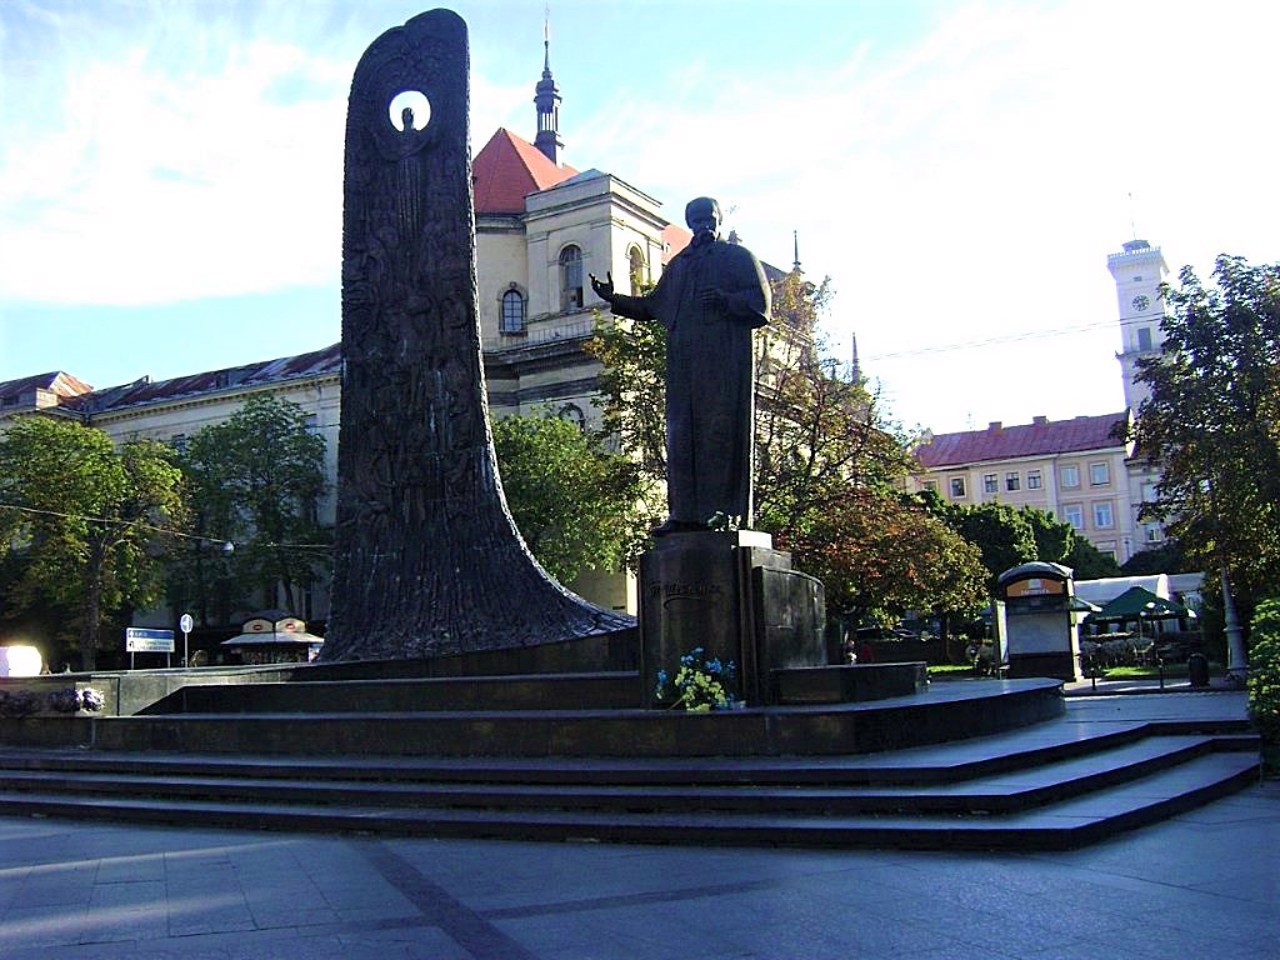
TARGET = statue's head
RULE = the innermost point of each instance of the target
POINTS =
(703, 218)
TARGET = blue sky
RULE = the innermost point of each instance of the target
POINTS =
(171, 172)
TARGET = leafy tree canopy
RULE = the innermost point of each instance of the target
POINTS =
(256, 481)
(1169, 557)
(1004, 535)
(573, 501)
(92, 520)
(1212, 421)
(1087, 562)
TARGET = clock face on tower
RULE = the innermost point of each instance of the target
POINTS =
(1140, 303)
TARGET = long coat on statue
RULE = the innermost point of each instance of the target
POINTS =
(710, 375)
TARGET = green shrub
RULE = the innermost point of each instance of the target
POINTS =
(1264, 670)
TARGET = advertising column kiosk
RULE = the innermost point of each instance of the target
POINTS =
(1036, 621)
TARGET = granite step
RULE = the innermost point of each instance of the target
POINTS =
(1059, 825)
(1004, 792)
(577, 691)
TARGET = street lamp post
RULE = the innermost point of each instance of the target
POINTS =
(1237, 664)
(1237, 660)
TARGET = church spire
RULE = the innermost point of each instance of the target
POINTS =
(547, 100)
(795, 239)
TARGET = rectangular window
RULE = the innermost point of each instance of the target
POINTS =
(931, 486)
(179, 442)
(1107, 547)
(1012, 481)
(957, 487)
(1102, 515)
(1144, 338)
(1099, 475)
(989, 484)
(1152, 532)
(1070, 476)
(1033, 479)
(1073, 513)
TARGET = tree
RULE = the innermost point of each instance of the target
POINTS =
(1212, 422)
(1003, 534)
(256, 479)
(1169, 557)
(1087, 562)
(1055, 539)
(879, 556)
(632, 397)
(572, 500)
(1057, 542)
(819, 431)
(93, 520)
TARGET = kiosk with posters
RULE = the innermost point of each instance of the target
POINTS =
(1037, 622)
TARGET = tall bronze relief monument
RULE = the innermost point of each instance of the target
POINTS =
(428, 561)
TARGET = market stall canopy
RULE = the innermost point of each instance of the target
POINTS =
(1138, 602)
(262, 630)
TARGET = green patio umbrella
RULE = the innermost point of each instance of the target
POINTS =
(1140, 603)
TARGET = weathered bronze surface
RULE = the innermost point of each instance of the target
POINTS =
(428, 561)
(710, 298)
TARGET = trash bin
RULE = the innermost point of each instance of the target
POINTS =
(1198, 670)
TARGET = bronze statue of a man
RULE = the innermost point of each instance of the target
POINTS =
(710, 298)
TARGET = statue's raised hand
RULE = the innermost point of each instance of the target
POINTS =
(603, 288)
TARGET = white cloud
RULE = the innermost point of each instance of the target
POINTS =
(972, 185)
(960, 185)
(210, 169)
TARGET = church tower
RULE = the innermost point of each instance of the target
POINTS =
(547, 100)
(1138, 270)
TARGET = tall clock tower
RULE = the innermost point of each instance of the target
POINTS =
(1138, 271)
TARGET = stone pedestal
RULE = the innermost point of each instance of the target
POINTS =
(736, 597)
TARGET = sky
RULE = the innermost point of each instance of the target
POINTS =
(171, 172)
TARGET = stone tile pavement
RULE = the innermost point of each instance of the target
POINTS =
(1204, 884)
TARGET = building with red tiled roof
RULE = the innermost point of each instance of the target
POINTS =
(1040, 438)
(1078, 469)
(507, 170)
(1081, 470)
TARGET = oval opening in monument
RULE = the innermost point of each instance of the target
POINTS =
(410, 109)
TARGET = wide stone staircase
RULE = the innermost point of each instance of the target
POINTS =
(975, 764)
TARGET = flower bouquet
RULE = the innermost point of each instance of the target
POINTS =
(700, 684)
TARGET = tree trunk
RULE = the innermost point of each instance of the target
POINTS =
(92, 622)
(427, 560)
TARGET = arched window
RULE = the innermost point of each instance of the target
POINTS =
(636, 271)
(513, 312)
(570, 278)
(573, 414)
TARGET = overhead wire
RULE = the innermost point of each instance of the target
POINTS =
(155, 529)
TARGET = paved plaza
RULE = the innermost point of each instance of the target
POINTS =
(1206, 884)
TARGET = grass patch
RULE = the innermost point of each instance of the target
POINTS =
(950, 671)
(1172, 671)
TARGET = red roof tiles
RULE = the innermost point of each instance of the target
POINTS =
(508, 169)
(1039, 439)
